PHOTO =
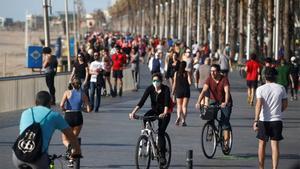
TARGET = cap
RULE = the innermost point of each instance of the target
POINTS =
(47, 50)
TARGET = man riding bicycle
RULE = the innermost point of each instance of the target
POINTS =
(160, 103)
(219, 88)
(53, 120)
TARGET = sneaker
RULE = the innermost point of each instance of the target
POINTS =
(177, 122)
(183, 124)
(292, 99)
(104, 92)
(70, 164)
(162, 161)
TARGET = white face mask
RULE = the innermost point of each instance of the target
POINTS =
(156, 84)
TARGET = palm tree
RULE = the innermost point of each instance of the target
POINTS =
(241, 30)
(222, 21)
(213, 22)
(253, 26)
(233, 27)
(270, 27)
(286, 26)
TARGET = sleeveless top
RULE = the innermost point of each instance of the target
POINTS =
(75, 101)
(52, 65)
(182, 82)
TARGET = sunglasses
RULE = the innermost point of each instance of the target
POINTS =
(155, 80)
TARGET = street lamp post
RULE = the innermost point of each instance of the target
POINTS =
(67, 35)
(46, 23)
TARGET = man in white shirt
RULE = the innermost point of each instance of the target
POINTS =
(270, 103)
(97, 82)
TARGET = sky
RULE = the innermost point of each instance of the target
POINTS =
(17, 9)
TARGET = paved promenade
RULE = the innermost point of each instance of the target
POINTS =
(109, 138)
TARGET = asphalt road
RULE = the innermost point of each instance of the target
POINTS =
(109, 138)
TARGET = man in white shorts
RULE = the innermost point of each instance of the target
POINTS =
(271, 101)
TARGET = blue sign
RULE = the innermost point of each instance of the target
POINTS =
(58, 47)
(72, 46)
(34, 57)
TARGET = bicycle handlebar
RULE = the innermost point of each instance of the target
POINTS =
(217, 106)
(138, 117)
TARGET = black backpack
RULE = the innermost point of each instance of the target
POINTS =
(29, 144)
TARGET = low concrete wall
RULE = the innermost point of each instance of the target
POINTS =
(19, 92)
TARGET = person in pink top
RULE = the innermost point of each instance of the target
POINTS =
(252, 76)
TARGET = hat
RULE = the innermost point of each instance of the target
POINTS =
(47, 50)
(293, 58)
(270, 72)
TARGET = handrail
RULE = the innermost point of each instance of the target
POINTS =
(30, 76)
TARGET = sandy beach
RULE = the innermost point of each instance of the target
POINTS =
(13, 54)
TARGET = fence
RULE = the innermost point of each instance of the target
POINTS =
(19, 92)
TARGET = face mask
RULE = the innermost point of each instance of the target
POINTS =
(156, 83)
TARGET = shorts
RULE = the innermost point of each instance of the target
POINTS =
(74, 118)
(252, 84)
(107, 74)
(269, 129)
(183, 93)
(118, 74)
(206, 94)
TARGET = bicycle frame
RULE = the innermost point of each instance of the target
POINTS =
(148, 131)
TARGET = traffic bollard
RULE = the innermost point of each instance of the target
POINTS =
(189, 159)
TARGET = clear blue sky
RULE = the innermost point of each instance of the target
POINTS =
(16, 9)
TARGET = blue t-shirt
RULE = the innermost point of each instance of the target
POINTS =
(53, 121)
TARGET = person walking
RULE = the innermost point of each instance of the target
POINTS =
(225, 61)
(284, 75)
(268, 63)
(51, 121)
(81, 71)
(135, 67)
(96, 82)
(295, 72)
(50, 67)
(155, 63)
(204, 72)
(119, 61)
(107, 64)
(71, 103)
(271, 101)
(181, 89)
(252, 69)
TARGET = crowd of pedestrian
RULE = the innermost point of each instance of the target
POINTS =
(170, 61)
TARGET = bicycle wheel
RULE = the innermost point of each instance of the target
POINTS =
(208, 140)
(143, 153)
(168, 153)
(226, 150)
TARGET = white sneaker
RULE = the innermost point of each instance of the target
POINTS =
(71, 164)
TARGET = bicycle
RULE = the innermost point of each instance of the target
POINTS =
(61, 158)
(147, 147)
(212, 135)
(66, 157)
